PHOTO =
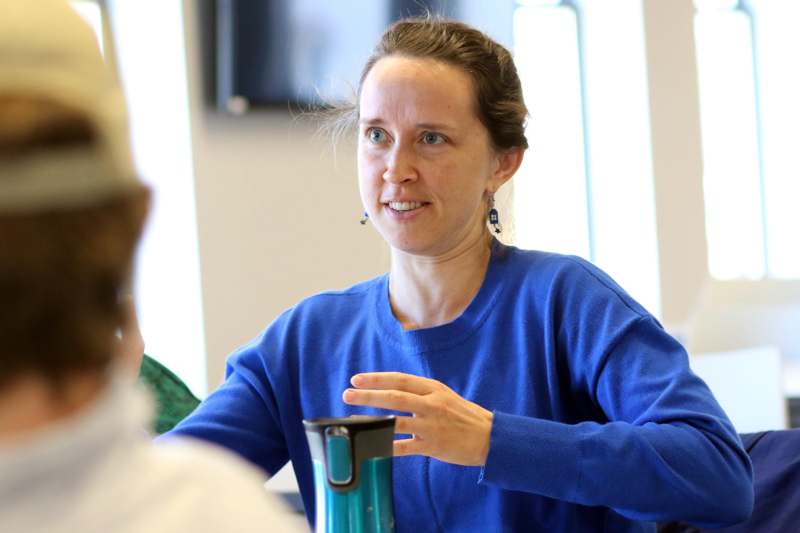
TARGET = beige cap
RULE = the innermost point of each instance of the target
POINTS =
(48, 51)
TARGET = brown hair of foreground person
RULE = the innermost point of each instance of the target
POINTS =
(61, 271)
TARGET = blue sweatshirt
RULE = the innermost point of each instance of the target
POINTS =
(599, 425)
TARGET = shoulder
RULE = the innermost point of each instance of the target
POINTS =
(313, 319)
(568, 279)
(323, 311)
(331, 303)
(343, 300)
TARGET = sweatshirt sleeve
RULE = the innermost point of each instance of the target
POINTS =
(242, 414)
(667, 452)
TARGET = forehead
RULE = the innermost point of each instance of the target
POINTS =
(403, 87)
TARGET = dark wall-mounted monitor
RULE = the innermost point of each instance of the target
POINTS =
(281, 53)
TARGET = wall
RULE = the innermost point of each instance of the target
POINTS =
(677, 156)
(277, 212)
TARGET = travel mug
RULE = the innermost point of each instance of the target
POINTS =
(352, 459)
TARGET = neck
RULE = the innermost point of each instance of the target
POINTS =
(31, 403)
(427, 291)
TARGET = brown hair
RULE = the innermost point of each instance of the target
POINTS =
(500, 104)
(31, 124)
(61, 271)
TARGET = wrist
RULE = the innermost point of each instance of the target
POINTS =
(486, 440)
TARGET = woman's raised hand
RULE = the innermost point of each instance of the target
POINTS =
(443, 425)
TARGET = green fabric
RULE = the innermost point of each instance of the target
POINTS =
(174, 399)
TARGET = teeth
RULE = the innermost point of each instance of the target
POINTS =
(405, 206)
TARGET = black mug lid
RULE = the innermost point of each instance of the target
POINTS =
(365, 437)
(359, 422)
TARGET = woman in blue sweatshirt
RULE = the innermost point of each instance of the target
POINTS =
(534, 393)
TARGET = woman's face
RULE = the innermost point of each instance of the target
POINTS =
(424, 158)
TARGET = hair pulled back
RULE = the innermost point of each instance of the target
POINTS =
(498, 90)
(499, 102)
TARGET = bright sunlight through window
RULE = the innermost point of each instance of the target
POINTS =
(153, 73)
(749, 112)
(603, 211)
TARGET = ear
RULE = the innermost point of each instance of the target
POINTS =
(507, 164)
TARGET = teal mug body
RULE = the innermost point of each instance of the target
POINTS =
(352, 459)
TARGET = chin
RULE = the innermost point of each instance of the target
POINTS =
(415, 245)
(422, 246)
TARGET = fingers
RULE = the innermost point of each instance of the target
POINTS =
(416, 444)
(386, 399)
(408, 447)
(406, 425)
(395, 381)
(390, 390)
(445, 425)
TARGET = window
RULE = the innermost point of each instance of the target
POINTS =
(550, 193)
(151, 58)
(749, 114)
(586, 184)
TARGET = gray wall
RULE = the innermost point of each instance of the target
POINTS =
(277, 212)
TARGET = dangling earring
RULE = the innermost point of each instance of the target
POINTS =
(364, 218)
(494, 216)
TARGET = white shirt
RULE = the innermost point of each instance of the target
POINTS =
(98, 472)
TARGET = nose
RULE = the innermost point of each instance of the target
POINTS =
(400, 165)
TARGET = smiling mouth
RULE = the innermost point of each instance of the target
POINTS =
(405, 206)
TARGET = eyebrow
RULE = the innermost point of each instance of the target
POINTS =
(421, 125)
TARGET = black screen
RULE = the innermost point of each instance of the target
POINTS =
(301, 52)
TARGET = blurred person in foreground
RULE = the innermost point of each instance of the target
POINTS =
(73, 453)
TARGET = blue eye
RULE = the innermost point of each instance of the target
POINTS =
(430, 137)
(376, 135)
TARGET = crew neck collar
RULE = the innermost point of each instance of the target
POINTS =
(419, 341)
